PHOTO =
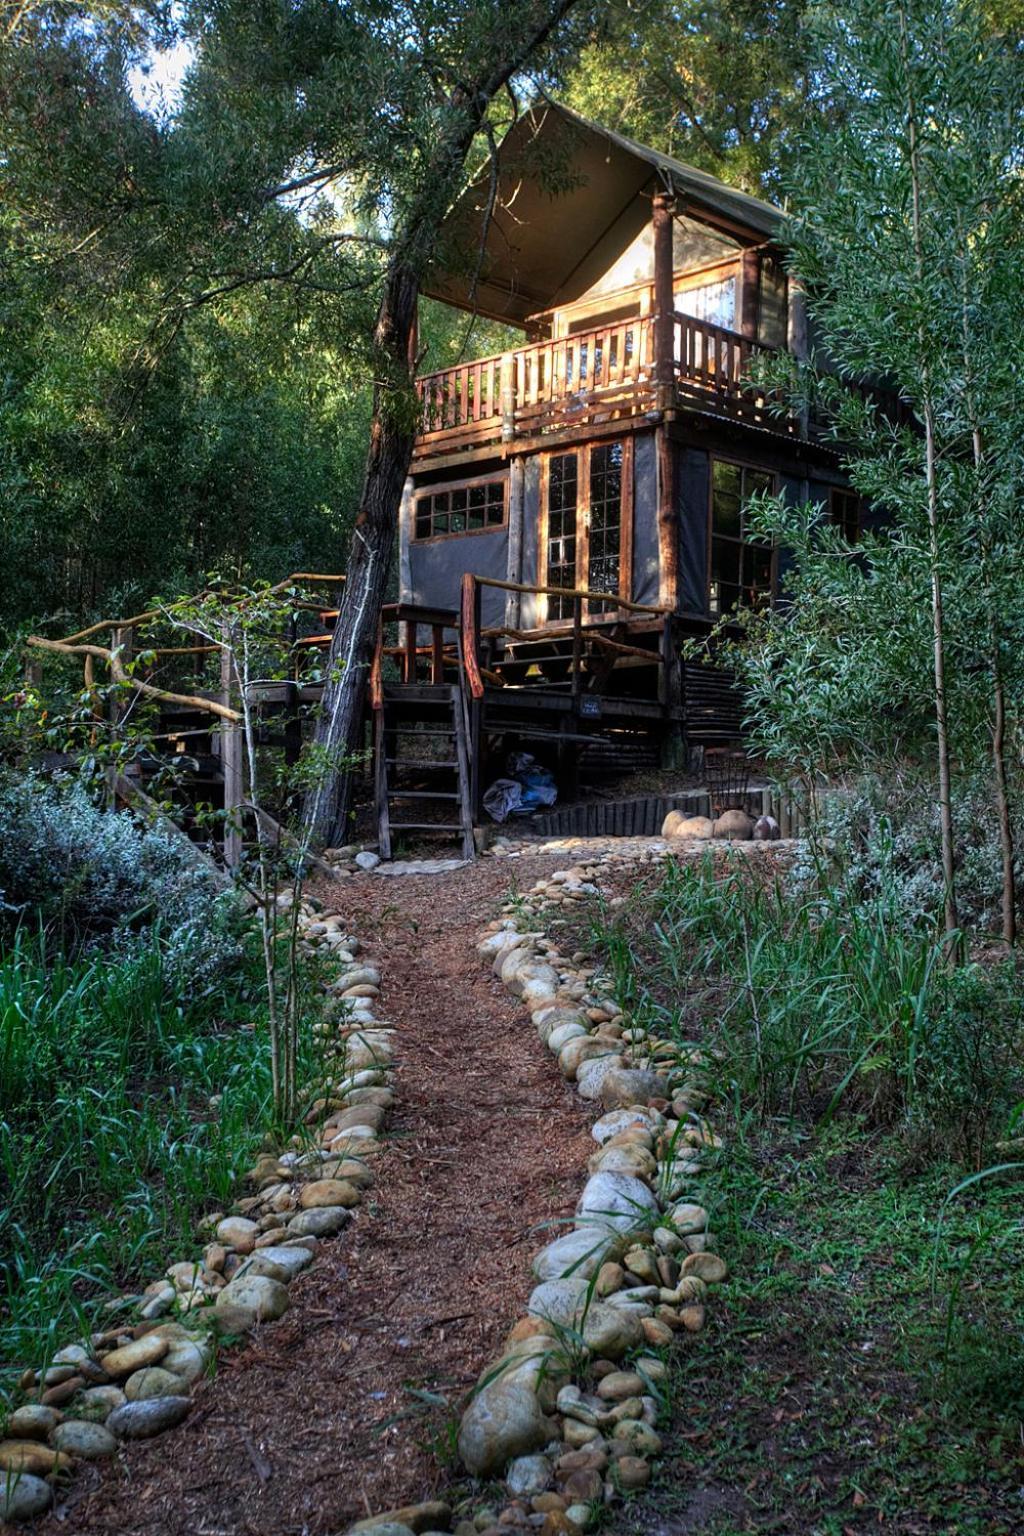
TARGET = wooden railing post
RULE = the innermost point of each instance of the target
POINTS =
(507, 388)
(470, 634)
(664, 300)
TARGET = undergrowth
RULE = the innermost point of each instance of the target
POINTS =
(128, 1108)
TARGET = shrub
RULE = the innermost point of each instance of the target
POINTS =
(93, 876)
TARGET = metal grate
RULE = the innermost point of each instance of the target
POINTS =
(727, 770)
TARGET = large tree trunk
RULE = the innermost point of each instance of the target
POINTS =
(530, 24)
(370, 557)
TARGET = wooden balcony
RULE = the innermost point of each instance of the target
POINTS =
(606, 374)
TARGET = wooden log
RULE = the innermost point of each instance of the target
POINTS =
(230, 767)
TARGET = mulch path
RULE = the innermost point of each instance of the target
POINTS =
(348, 1405)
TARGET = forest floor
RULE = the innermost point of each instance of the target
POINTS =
(815, 1402)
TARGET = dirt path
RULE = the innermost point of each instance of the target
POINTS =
(321, 1418)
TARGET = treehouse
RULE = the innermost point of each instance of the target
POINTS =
(578, 501)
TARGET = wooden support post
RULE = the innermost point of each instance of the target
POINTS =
(231, 768)
(508, 397)
(410, 628)
(750, 296)
(576, 680)
(664, 300)
(671, 693)
(514, 572)
(121, 640)
(668, 520)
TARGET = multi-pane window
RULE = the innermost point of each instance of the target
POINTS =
(604, 553)
(714, 302)
(741, 562)
(460, 509)
(563, 497)
(845, 509)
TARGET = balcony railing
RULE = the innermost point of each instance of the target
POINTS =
(602, 374)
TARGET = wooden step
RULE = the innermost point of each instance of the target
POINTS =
(425, 826)
(422, 794)
(422, 762)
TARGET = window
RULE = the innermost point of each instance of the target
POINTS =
(587, 538)
(742, 565)
(714, 302)
(604, 542)
(845, 509)
(563, 485)
(463, 508)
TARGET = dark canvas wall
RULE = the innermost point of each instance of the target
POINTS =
(436, 568)
(645, 519)
(691, 498)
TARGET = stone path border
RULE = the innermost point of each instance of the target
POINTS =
(567, 1413)
(133, 1380)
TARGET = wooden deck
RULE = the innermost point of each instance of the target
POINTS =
(610, 373)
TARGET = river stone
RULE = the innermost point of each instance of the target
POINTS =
(292, 1260)
(735, 825)
(578, 1254)
(678, 825)
(133, 1357)
(563, 1033)
(89, 1442)
(30, 1456)
(328, 1193)
(687, 1219)
(24, 1497)
(618, 1120)
(258, 1264)
(528, 1475)
(631, 1085)
(607, 1331)
(238, 1232)
(248, 1300)
(574, 1052)
(382, 1528)
(766, 830)
(322, 1221)
(151, 1416)
(418, 1518)
(706, 1266)
(96, 1404)
(187, 1359)
(617, 1201)
(154, 1381)
(634, 1159)
(32, 1422)
(504, 1420)
(590, 1075)
(551, 1019)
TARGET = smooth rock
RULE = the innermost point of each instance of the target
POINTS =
(640, 1437)
(89, 1442)
(578, 1254)
(238, 1232)
(154, 1381)
(617, 1121)
(620, 1384)
(292, 1260)
(590, 1075)
(32, 1422)
(632, 1085)
(632, 1472)
(503, 1421)
(323, 1221)
(30, 1456)
(24, 1497)
(133, 1357)
(98, 1403)
(528, 1475)
(366, 860)
(706, 1266)
(251, 1299)
(418, 1518)
(606, 1330)
(328, 1193)
(678, 825)
(618, 1202)
(735, 825)
(138, 1421)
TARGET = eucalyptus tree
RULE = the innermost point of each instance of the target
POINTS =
(906, 236)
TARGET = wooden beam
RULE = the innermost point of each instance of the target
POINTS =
(663, 218)
(231, 768)
(514, 565)
(668, 522)
(750, 285)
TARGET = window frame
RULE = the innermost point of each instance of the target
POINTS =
(835, 521)
(739, 541)
(598, 611)
(443, 488)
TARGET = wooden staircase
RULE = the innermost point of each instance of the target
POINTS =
(421, 755)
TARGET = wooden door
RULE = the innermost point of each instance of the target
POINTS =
(587, 526)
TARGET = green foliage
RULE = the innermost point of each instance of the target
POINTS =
(89, 875)
(128, 1107)
(827, 999)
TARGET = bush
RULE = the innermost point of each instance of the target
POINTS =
(825, 997)
(880, 838)
(93, 876)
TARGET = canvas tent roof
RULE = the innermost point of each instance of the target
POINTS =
(571, 196)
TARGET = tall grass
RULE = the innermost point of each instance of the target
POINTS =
(126, 1110)
(822, 999)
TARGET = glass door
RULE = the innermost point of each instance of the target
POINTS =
(587, 526)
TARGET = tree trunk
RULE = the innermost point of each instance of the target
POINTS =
(952, 916)
(371, 553)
